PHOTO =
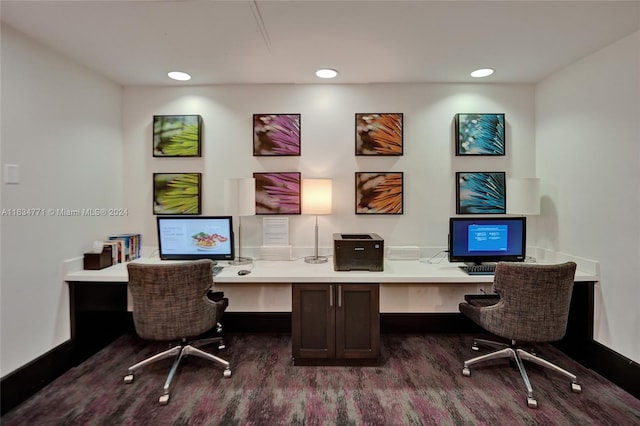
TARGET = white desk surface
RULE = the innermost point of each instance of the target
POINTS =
(395, 271)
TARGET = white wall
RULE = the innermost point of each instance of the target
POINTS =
(588, 159)
(328, 146)
(62, 125)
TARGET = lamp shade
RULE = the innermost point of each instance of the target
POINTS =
(523, 196)
(240, 197)
(316, 196)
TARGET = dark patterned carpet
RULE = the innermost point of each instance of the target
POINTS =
(418, 382)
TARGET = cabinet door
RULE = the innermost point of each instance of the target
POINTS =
(357, 321)
(313, 321)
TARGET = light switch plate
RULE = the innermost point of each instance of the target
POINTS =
(11, 173)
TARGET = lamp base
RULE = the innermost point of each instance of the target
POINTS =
(241, 261)
(316, 259)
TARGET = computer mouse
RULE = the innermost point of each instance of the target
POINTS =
(244, 272)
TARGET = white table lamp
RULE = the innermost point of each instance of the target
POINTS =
(240, 200)
(316, 200)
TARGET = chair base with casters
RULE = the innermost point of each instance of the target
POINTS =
(518, 355)
(173, 302)
(179, 353)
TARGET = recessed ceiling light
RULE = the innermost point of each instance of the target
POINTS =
(484, 72)
(326, 73)
(179, 75)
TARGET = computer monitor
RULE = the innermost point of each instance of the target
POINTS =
(487, 240)
(195, 237)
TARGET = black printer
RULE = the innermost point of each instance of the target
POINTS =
(358, 252)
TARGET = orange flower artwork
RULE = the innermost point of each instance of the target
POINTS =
(379, 134)
(379, 192)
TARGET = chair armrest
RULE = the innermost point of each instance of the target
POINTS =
(217, 303)
(481, 300)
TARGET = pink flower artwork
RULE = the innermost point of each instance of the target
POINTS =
(276, 134)
(277, 193)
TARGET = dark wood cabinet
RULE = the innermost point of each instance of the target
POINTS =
(335, 323)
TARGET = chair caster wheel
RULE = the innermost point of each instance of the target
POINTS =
(128, 378)
(164, 399)
(576, 388)
(466, 372)
(227, 373)
(532, 403)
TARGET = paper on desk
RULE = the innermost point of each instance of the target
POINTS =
(275, 231)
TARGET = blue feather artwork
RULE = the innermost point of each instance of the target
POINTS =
(480, 134)
(481, 193)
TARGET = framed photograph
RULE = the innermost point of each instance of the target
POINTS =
(480, 134)
(480, 193)
(278, 193)
(177, 135)
(276, 135)
(379, 134)
(176, 193)
(379, 192)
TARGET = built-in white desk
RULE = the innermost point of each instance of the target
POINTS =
(406, 286)
(414, 296)
(417, 271)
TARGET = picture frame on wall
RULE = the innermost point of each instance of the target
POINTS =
(481, 193)
(379, 192)
(276, 135)
(177, 136)
(480, 134)
(379, 134)
(278, 193)
(177, 193)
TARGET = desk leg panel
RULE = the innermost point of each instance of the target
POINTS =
(98, 313)
(579, 336)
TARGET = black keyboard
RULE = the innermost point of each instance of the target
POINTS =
(488, 269)
(217, 269)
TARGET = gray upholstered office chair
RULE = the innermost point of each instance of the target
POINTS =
(170, 304)
(533, 307)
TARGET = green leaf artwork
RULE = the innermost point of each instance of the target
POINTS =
(177, 135)
(176, 193)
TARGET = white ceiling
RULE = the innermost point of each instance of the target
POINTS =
(268, 41)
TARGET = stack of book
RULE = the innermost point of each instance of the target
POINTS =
(124, 247)
(118, 249)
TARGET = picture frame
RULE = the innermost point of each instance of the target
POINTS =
(480, 134)
(276, 135)
(278, 193)
(481, 193)
(379, 192)
(177, 193)
(379, 134)
(177, 136)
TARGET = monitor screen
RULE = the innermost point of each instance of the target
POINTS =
(479, 240)
(195, 237)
